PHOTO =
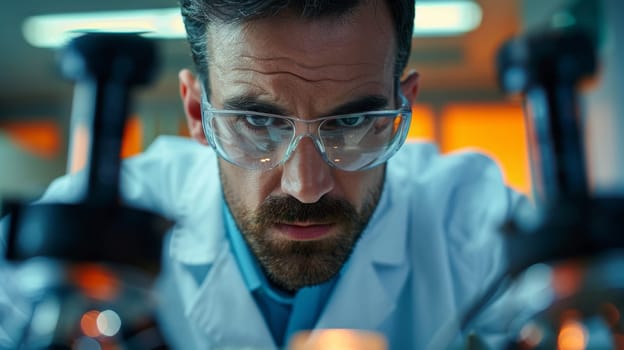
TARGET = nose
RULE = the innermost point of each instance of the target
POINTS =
(306, 176)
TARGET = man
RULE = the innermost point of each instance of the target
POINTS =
(300, 215)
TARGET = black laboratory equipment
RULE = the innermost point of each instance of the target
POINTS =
(88, 267)
(574, 236)
(568, 227)
(569, 248)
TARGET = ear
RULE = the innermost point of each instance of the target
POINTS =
(410, 85)
(190, 93)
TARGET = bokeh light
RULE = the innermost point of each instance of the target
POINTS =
(108, 323)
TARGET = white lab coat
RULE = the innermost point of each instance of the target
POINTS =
(429, 249)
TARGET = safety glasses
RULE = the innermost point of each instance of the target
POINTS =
(262, 141)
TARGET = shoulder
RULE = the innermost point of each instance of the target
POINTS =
(462, 194)
(166, 151)
(456, 206)
(418, 161)
(169, 169)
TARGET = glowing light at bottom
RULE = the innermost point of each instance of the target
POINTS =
(572, 336)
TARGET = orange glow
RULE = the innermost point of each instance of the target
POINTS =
(132, 143)
(96, 282)
(88, 323)
(495, 129)
(41, 138)
(572, 336)
(423, 124)
(338, 339)
(79, 148)
(567, 278)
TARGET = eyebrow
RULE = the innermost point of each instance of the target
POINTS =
(362, 104)
(251, 103)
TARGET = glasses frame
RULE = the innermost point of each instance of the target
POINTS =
(208, 113)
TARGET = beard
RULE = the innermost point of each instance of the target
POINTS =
(290, 264)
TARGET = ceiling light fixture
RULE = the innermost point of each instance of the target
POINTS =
(446, 18)
(433, 18)
(54, 30)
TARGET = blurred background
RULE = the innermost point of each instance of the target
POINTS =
(460, 103)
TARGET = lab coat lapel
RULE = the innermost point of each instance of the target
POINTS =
(225, 310)
(367, 290)
(221, 306)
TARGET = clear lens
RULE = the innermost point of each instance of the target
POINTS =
(362, 145)
(254, 142)
(261, 141)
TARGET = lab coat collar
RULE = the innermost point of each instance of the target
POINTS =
(196, 238)
(225, 310)
(377, 270)
(219, 303)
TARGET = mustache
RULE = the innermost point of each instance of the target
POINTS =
(289, 209)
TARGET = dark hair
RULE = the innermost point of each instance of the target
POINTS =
(198, 14)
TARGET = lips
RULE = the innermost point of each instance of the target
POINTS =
(304, 232)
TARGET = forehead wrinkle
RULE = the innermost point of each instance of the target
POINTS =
(256, 89)
(298, 76)
(339, 72)
(279, 59)
(309, 75)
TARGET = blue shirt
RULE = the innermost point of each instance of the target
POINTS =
(284, 313)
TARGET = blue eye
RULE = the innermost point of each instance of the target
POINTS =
(259, 121)
(351, 121)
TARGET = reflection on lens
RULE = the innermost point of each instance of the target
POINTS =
(259, 141)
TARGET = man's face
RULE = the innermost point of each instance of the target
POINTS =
(303, 218)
